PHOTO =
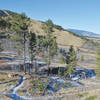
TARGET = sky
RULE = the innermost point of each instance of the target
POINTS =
(75, 14)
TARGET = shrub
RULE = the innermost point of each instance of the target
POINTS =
(91, 98)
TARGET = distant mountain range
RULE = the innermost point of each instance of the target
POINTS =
(84, 33)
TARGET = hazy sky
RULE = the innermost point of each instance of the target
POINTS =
(77, 14)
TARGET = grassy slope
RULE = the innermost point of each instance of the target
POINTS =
(63, 37)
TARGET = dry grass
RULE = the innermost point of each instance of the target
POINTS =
(66, 38)
(63, 37)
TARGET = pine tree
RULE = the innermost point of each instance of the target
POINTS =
(49, 41)
(70, 61)
(62, 60)
(32, 46)
(19, 26)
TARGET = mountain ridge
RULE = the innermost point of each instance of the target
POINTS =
(84, 33)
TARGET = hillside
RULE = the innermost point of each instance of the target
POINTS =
(64, 37)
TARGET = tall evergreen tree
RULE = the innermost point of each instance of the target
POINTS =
(19, 25)
(32, 46)
(49, 41)
(71, 61)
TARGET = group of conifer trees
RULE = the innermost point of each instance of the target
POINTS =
(18, 24)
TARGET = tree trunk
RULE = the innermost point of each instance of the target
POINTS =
(29, 66)
(32, 59)
(35, 65)
(49, 60)
(24, 54)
